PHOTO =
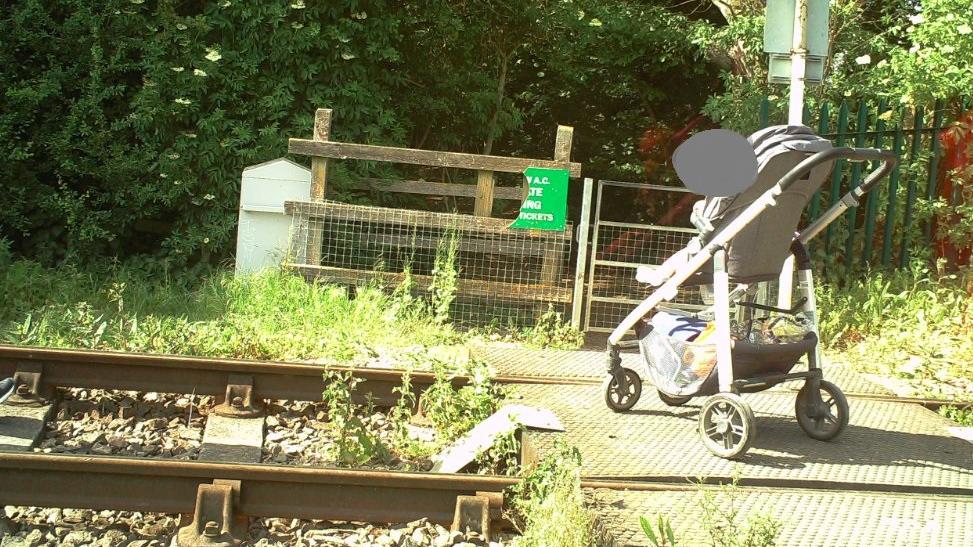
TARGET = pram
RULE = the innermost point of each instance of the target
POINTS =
(743, 239)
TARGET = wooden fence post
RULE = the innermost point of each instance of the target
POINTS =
(483, 206)
(319, 181)
(554, 259)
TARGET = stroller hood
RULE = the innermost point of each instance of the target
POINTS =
(758, 252)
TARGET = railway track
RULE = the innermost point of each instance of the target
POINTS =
(220, 496)
(39, 370)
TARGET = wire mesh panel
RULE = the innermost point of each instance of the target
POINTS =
(482, 271)
(625, 238)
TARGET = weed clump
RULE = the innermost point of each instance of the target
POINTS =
(548, 506)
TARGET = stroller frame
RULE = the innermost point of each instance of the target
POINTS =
(726, 422)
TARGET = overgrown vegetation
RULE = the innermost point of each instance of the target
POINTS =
(548, 505)
(723, 521)
(445, 276)
(355, 443)
(915, 325)
(126, 124)
(274, 315)
(452, 411)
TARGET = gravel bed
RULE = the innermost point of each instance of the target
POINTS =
(297, 433)
(126, 423)
(42, 527)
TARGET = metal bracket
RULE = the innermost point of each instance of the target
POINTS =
(214, 522)
(30, 389)
(238, 401)
(475, 513)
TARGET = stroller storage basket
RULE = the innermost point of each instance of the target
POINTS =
(681, 368)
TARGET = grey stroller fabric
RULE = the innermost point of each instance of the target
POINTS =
(758, 252)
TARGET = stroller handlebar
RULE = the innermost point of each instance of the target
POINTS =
(853, 197)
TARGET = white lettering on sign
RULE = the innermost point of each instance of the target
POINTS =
(537, 192)
(531, 204)
(537, 216)
(540, 180)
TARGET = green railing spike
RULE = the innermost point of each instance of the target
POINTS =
(893, 189)
(932, 177)
(836, 171)
(871, 207)
(861, 128)
(910, 200)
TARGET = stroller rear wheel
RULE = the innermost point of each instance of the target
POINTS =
(673, 400)
(727, 425)
(619, 399)
(824, 415)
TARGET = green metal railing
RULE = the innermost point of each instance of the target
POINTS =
(885, 231)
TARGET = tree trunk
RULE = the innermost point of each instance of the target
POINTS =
(501, 90)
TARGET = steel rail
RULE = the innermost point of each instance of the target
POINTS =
(170, 486)
(208, 376)
(678, 483)
(271, 379)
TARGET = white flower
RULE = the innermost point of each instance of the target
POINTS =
(580, 14)
(208, 196)
(198, 72)
(163, 176)
(205, 240)
(181, 26)
(173, 156)
(964, 29)
(595, 22)
(347, 55)
(213, 54)
(298, 5)
(917, 19)
(177, 69)
(864, 59)
(914, 48)
(183, 101)
(225, 3)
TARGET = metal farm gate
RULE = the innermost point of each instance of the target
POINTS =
(624, 239)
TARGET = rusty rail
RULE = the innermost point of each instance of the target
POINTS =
(170, 486)
(207, 376)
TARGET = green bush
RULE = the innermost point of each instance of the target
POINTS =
(126, 123)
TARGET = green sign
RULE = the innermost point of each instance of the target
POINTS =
(546, 205)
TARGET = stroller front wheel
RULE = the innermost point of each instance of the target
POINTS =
(727, 425)
(824, 415)
(619, 398)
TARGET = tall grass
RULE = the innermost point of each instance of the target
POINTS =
(274, 315)
(916, 324)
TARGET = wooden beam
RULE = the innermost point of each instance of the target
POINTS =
(562, 143)
(433, 188)
(484, 194)
(465, 287)
(319, 181)
(432, 158)
(384, 215)
(488, 243)
(319, 165)
(554, 260)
